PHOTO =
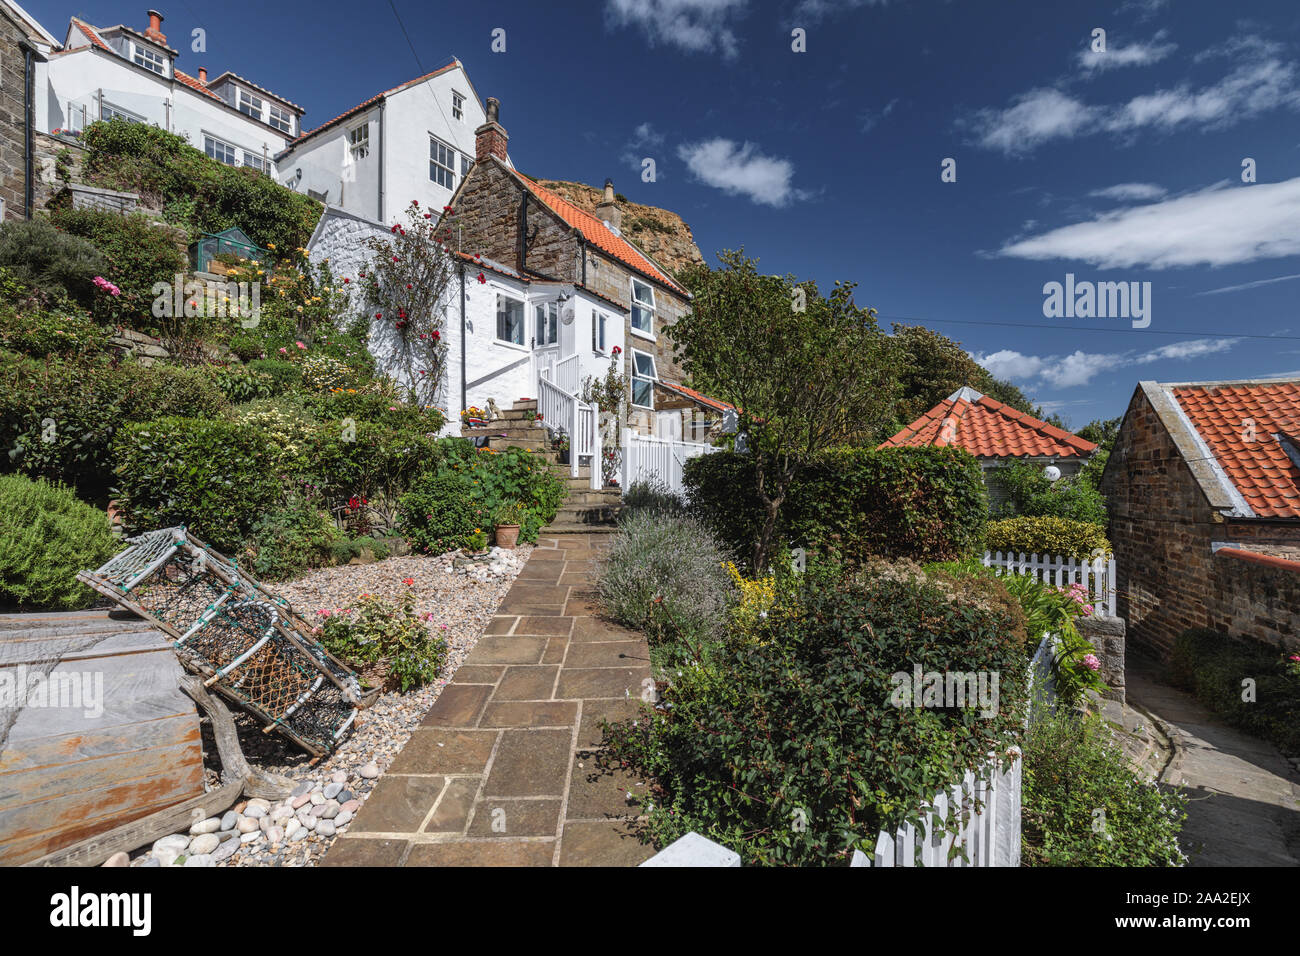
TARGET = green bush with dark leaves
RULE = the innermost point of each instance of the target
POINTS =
(293, 538)
(1083, 806)
(440, 513)
(195, 191)
(1032, 493)
(1212, 666)
(212, 476)
(512, 474)
(799, 748)
(43, 257)
(923, 504)
(377, 632)
(46, 536)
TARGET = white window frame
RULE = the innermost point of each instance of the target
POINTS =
(359, 141)
(261, 164)
(599, 323)
(108, 111)
(249, 104)
(546, 321)
(435, 162)
(636, 375)
(279, 118)
(640, 305)
(458, 106)
(210, 153)
(151, 60)
(523, 320)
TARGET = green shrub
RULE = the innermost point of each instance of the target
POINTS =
(924, 504)
(241, 383)
(1047, 535)
(58, 418)
(1032, 493)
(1083, 806)
(513, 474)
(33, 325)
(345, 549)
(41, 256)
(212, 476)
(665, 574)
(1212, 666)
(374, 631)
(46, 537)
(653, 497)
(195, 191)
(137, 251)
(285, 376)
(440, 513)
(293, 538)
(811, 723)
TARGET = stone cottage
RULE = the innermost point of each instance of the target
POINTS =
(996, 434)
(24, 48)
(1203, 486)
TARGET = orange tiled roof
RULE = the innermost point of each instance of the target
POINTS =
(599, 235)
(700, 397)
(988, 428)
(1253, 459)
(194, 84)
(91, 35)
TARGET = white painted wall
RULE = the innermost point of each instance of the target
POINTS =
(399, 140)
(78, 78)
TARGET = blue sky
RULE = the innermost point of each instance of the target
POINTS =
(1121, 166)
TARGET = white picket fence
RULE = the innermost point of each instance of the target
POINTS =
(564, 412)
(658, 459)
(1097, 575)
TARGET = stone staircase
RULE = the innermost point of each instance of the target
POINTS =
(583, 510)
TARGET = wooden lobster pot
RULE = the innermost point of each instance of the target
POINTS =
(70, 772)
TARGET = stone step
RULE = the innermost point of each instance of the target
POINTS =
(497, 443)
(525, 404)
(587, 498)
(510, 429)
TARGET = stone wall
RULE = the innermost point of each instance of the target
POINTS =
(1107, 634)
(58, 163)
(13, 162)
(1258, 597)
(1163, 529)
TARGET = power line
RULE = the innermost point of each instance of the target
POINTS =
(1085, 328)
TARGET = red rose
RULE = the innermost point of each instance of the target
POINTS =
(482, 278)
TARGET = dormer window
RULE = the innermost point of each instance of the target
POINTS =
(142, 56)
(250, 105)
(457, 105)
(281, 119)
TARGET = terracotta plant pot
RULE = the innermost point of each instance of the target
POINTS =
(507, 536)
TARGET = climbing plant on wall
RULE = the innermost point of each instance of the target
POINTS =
(404, 286)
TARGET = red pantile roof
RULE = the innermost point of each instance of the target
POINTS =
(91, 35)
(1241, 424)
(599, 235)
(700, 397)
(194, 84)
(988, 428)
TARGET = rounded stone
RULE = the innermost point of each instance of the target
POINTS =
(369, 772)
(339, 776)
(325, 828)
(247, 825)
(257, 813)
(175, 841)
(317, 798)
(227, 849)
(352, 806)
(275, 834)
(300, 800)
(118, 859)
(229, 820)
(200, 859)
(332, 790)
(251, 837)
(343, 819)
(210, 825)
(204, 844)
(298, 834)
(257, 803)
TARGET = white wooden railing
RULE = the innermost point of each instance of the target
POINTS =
(562, 411)
(658, 459)
(1097, 575)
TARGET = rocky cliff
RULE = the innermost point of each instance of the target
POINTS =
(663, 235)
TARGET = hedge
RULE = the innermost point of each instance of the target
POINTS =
(1054, 536)
(46, 537)
(926, 504)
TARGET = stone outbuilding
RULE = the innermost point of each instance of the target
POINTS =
(1203, 487)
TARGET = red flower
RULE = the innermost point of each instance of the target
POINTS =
(428, 215)
(408, 581)
(394, 227)
(379, 315)
(346, 281)
(446, 209)
(409, 286)
(482, 278)
(415, 202)
(437, 334)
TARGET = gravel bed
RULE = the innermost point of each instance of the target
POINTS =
(461, 595)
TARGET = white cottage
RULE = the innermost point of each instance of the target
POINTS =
(105, 72)
(414, 141)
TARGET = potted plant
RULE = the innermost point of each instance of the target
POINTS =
(508, 520)
(560, 445)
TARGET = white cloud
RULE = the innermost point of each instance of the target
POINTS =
(815, 10)
(741, 171)
(1216, 226)
(1251, 285)
(870, 119)
(1144, 9)
(1131, 192)
(693, 26)
(1263, 82)
(646, 135)
(1134, 54)
(1080, 367)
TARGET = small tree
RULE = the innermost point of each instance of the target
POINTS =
(405, 287)
(806, 371)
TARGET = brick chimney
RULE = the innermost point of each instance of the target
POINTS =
(203, 75)
(154, 32)
(607, 210)
(490, 139)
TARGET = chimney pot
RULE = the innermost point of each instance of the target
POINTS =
(491, 138)
(154, 32)
(203, 75)
(607, 209)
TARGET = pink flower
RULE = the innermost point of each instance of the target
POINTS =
(284, 351)
(300, 345)
(1090, 661)
(107, 286)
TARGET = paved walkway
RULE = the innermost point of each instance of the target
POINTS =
(1243, 796)
(502, 771)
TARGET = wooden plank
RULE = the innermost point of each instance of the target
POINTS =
(36, 752)
(111, 643)
(130, 770)
(97, 849)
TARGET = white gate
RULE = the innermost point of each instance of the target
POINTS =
(658, 459)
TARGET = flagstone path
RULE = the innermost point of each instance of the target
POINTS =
(503, 769)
